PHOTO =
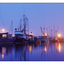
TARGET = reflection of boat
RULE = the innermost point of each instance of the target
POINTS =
(38, 42)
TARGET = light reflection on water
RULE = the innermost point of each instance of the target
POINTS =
(30, 48)
(59, 47)
(44, 48)
(39, 52)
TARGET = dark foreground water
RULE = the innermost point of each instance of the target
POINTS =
(39, 52)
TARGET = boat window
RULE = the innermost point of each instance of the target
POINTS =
(4, 35)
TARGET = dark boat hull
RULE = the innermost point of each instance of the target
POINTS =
(7, 41)
(20, 41)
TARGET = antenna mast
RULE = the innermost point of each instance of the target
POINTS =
(11, 28)
(20, 24)
(24, 20)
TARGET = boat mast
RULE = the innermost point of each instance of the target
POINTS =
(20, 24)
(24, 24)
(11, 28)
(44, 31)
(51, 32)
(56, 33)
(54, 30)
(27, 23)
(47, 33)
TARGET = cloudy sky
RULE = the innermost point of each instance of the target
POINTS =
(49, 15)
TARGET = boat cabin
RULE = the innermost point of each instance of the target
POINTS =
(3, 35)
(18, 33)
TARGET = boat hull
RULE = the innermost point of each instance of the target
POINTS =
(20, 41)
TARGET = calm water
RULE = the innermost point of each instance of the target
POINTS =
(39, 52)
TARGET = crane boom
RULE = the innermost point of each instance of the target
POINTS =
(42, 32)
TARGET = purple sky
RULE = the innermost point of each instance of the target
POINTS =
(41, 14)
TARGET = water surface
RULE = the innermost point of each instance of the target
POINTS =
(39, 52)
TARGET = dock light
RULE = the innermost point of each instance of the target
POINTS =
(59, 35)
(3, 30)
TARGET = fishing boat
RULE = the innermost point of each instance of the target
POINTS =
(43, 40)
(21, 37)
(6, 38)
(55, 39)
